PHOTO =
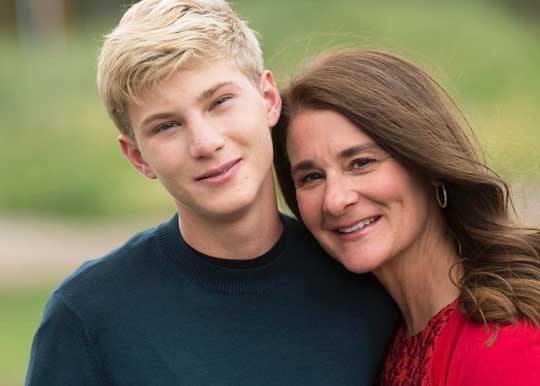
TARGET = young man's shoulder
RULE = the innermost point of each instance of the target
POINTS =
(145, 258)
(115, 272)
(325, 277)
(301, 243)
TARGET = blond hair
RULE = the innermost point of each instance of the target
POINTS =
(156, 38)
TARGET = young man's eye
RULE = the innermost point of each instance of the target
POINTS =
(166, 126)
(220, 101)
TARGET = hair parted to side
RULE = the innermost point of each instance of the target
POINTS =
(156, 38)
(412, 118)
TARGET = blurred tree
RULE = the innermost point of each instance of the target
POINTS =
(103, 11)
(529, 9)
(41, 19)
(84, 9)
(31, 19)
(98, 13)
(7, 16)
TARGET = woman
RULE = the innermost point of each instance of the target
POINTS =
(379, 163)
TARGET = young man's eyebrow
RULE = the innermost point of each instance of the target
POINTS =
(154, 117)
(209, 92)
(204, 95)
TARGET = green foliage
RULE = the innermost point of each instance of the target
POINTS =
(58, 146)
(20, 313)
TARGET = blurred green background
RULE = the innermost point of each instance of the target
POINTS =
(58, 148)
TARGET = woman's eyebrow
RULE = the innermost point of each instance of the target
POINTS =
(302, 165)
(346, 153)
(351, 151)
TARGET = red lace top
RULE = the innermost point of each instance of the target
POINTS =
(453, 351)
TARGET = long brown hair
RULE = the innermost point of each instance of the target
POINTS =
(408, 114)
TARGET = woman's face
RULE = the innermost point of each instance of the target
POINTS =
(363, 207)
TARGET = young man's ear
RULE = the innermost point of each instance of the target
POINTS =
(271, 96)
(133, 154)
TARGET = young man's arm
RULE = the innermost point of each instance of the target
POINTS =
(61, 352)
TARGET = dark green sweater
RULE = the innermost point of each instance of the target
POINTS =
(156, 312)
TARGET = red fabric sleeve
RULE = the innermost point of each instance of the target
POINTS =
(463, 356)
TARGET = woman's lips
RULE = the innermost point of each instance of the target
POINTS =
(358, 226)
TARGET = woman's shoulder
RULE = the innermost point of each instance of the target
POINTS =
(476, 354)
(493, 340)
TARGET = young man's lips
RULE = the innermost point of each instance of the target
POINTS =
(218, 171)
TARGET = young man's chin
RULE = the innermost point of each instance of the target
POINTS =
(221, 208)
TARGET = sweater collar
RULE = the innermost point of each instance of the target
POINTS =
(261, 273)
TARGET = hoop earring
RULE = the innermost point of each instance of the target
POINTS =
(440, 190)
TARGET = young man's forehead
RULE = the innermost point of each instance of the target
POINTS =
(199, 82)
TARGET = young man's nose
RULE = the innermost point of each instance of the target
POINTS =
(338, 196)
(206, 140)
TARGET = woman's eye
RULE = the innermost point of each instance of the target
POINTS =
(310, 178)
(361, 163)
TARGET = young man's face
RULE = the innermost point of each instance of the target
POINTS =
(204, 133)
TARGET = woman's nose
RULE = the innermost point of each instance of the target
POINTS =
(338, 197)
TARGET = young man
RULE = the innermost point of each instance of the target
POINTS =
(228, 292)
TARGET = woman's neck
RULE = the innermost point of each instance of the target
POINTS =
(422, 281)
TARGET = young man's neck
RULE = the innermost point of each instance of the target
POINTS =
(240, 237)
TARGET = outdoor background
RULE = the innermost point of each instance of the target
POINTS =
(67, 194)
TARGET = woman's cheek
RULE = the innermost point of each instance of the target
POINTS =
(309, 206)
